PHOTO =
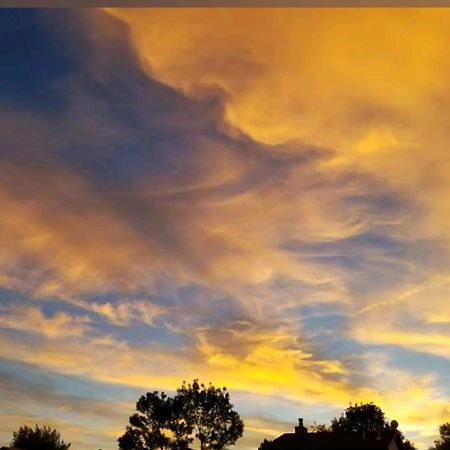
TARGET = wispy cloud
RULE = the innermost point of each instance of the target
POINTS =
(32, 320)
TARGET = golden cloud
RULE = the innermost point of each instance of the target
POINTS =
(371, 84)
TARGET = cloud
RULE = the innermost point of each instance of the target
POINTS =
(368, 93)
(189, 201)
(255, 197)
(32, 320)
(124, 313)
(359, 66)
(414, 319)
(78, 410)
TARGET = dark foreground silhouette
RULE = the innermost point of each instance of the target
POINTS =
(196, 412)
(205, 413)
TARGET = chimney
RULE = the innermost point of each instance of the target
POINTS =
(300, 429)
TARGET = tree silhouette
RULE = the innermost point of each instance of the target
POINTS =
(364, 417)
(443, 443)
(265, 445)
(158, 424)
(209, 411)
(39, 438)
(407, 444)
(165, 423)
(320, 428)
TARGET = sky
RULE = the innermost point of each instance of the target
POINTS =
(257, 198)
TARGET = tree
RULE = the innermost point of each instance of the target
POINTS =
(209, 411)
(367, 417)
(443, 443)
(165, 423)
(44, 438)
(363, 417)
(265, 445)
(407, 445)
(158, 424)
(320, 428)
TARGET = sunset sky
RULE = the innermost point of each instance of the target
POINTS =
(255, 197)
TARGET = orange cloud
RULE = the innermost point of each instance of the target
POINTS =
(31, 319)
(368, 83)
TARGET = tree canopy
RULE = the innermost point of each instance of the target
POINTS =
(363, 417)
(208, 409)
(157, 424)
(39, 438)
(196, 412)
(266, 444)
(443, 443)
(366, 417)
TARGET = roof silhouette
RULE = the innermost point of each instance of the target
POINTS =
(325, 440)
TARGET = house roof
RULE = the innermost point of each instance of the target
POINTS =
(11, 448)
(336, 441)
